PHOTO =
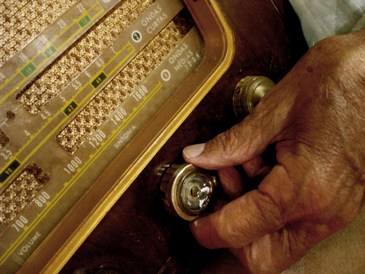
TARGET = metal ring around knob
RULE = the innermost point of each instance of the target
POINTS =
(190, 192)
(248, 93)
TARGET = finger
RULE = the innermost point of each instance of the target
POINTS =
(243, 141)
(231, 182)
(219, 204)
(256, 167)
(253, 166)
(276, 251)
(249, 217)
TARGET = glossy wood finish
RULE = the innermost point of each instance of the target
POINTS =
(137, 236)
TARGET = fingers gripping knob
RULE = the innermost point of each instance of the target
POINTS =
(189, 191)
(248, 93)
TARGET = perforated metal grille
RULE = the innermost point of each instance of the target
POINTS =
(4, 139)
(20, 193)
(92, 116)
(71, 63)
(21, 21)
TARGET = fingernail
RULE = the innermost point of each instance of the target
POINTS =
(197, 223)
(193, 151)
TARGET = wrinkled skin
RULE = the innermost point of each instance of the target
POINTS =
(315, 117)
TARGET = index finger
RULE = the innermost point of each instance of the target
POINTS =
(247, 139)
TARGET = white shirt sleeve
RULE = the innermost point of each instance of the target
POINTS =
(324, 18)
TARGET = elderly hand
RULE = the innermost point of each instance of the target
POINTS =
(315, 117)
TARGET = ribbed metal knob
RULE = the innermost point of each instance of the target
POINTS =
(248, 93)
(189, 191)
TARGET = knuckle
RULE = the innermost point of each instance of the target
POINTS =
(228, 142)
(273, 208)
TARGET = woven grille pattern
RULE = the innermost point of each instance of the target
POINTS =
(84, 51)
(98, 110)
(20, 193)
(21, 21)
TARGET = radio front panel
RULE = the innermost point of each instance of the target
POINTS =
(86, 86)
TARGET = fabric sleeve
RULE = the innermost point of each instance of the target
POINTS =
(324, 18)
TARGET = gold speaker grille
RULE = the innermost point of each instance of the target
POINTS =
(21, 192)
(4, 139)
(75, 60)
(21, 21)
(98, 110)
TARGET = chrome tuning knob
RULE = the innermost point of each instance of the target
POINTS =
(190, 192)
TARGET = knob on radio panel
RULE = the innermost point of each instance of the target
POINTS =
(189, 191)
(248, 93)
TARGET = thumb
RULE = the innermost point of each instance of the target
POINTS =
(242, 142)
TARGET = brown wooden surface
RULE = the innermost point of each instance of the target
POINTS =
(137, 236)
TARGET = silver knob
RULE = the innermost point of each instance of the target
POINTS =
(189, 191)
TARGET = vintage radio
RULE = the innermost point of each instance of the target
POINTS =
(98, 97)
